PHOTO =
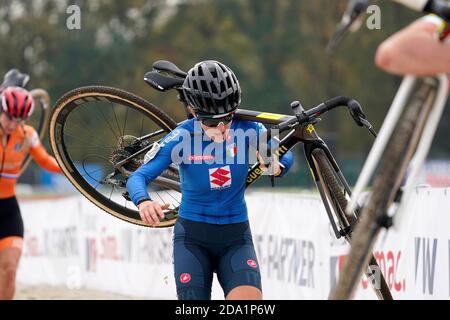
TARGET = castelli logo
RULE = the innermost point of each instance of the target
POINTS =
(185, 277)
(251, 263)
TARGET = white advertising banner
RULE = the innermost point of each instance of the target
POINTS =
(71, 242)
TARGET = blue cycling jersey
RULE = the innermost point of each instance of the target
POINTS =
(212, 175)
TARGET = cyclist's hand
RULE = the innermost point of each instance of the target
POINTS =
(151, 211)
(274, 166)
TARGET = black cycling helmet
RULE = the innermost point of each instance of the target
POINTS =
(211, 88)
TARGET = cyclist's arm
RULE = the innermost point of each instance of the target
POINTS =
(157, 160)
(286, 160)
(40, 155)
(415, 50)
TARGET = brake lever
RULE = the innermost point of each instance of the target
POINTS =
(361, 120)
(350, 21)
(360, 117)
(356, 112)
(369, 127)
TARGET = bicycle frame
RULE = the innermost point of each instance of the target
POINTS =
(385, 133)
(307, 135)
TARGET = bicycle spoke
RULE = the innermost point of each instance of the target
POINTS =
(80, 120)
(115, 116)
(87, 173)
(96, 186)
(93, 146)
(142, 126)
(112, 190)
(90, 133)
(125, 121)
(172, 197)
(160, 197)
(110, 127)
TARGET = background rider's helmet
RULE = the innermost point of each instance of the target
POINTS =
(211, 88)
(17, 103)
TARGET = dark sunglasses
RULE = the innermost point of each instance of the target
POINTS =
(214, 122)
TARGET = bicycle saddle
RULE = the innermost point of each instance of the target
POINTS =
(165, 76)
(167, 66)
(14, 78)
(162, 82)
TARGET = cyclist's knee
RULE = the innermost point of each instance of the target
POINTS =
(244, 293)
(9, 261)
(8, 271)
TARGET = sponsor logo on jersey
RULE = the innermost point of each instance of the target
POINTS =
(220, 178)
(175, 133)
(201, 157)
(17, 147)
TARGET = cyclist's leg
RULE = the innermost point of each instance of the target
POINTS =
(238, 271)
(11, 239)
(244, 293)
(192, 264)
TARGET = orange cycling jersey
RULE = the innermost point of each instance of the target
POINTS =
(13, 150)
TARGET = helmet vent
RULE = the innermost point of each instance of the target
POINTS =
(213, 88)
(229, 85)
(204, 85)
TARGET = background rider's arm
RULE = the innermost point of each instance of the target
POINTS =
(286, 160)
(40, 155)
(44, 160)
(415, 50)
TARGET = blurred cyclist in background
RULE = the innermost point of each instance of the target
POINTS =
(212, 233)
(16, 140)
(416, 49)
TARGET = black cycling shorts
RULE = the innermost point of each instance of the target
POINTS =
(202, 249)
(11, 224)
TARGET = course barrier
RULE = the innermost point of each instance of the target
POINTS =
(71, 242)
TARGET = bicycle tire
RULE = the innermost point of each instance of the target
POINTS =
(386, 183)
(61, 111)
(329, 176)
(43, 107)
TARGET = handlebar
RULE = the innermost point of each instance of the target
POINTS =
(14, 78)
(356, 8)
(439, 7)
(353, 106)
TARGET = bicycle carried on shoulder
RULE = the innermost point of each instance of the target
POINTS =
(398, 152)
(100, 135)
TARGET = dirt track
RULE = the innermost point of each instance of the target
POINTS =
(44, 292)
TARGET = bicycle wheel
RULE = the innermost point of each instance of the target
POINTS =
(93, 129)
(39, 119)
(336, 192)
(391, 172)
